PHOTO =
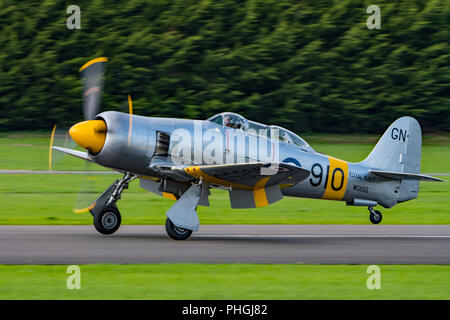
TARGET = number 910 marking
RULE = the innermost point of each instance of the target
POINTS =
(335, 189)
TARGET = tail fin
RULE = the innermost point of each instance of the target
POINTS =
(399, 150)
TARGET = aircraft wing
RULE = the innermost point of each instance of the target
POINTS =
(81, 155)
(75, 153)
(403, 176)
(250, 185)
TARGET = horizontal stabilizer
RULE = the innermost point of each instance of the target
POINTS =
(404, 176)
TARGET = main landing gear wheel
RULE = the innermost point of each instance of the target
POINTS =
(107, 220)
(375, 216)
(175, 232)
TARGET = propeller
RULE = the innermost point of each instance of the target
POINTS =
(92, 76)
(89, 134)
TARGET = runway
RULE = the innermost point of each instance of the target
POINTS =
(314, 244)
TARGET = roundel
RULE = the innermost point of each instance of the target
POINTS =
(292, 160)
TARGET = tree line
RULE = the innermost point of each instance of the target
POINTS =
(310, 65)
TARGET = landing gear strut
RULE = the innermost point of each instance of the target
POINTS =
(106, 215)
(375, 216)
(182, 217)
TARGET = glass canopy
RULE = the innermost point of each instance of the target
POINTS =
(238, 122)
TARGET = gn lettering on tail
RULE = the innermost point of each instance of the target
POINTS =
(399, 134)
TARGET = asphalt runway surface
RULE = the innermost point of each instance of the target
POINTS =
(315, 244)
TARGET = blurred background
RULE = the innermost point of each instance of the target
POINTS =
(311, 66)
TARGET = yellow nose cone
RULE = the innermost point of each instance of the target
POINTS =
(89, 134)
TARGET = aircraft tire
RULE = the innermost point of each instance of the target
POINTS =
(108, 220)
(177, 233)
(375, 217)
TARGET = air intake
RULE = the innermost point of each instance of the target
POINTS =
(162, 144)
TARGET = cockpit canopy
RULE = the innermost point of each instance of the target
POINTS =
(238, 122)
(231, 120)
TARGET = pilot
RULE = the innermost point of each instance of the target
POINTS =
(227, 121)
(284, 136)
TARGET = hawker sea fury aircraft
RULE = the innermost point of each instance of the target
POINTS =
(258, 164)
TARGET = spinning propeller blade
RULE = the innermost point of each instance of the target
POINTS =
(86, 193)
(92, 75)
(60, 138)
(50, 150)
(130, 111)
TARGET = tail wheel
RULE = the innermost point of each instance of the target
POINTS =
(175, 232)
(375, 217)
(108, 220)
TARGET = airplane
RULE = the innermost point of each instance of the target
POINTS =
(258, 164)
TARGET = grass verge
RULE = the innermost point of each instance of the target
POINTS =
(225, 281)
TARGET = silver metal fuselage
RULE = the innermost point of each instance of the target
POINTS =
(131, 142)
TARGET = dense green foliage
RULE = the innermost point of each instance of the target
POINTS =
(307, 65)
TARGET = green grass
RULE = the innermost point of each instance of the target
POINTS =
(49, 199)
(228, 281)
